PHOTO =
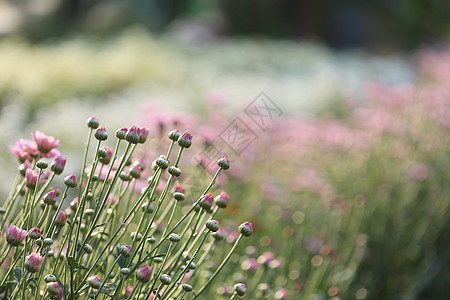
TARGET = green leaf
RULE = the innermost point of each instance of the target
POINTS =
(100, 225)
(73, 264)
(17, 273)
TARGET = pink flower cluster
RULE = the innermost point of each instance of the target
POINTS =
(41, 145)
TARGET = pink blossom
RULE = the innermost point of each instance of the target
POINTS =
(144, 273)
(33, 262)
(44, 143)
(24, 150)
(14, 235)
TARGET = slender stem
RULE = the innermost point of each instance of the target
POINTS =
(107, 275)
(205, 286)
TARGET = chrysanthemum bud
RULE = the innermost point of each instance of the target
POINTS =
(50, 198)
(87, 248)
(143, 134)
(246, 229)
(125, 250)
(33, 262)
(53, 288)
(70, 181)
(101, 134)
(101, 153)
(174, 238)
(135, 172)
(93, 122)
(74, 203)
(212, 225)
(174, 135)
(125, 176)
(135, 236)
(178, 196)
(240, 289)
(125, 271)
(224, 163)
(162, 163)
(165, 279)
(14, 235)
(207, 201)
(222, 200)
(42, 164)
(94, 282)
(48, 241)
(218, 235)
(185, 140)
(147, 207)
(121, 133)
(151, 240)
(61, 219)
(174, 171)
(158, 259)
(58, 165)
(144, 273)
(35, 233)
(133, 135)
(187, 287)
(50, 278)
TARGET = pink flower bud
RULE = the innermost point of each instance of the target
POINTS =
(101, 134)
(143, 134)
(31, 178)
(53, 288)
(212, 225)
(109, 152)
(240, 289)
(126, 251)
(207, 201)
(133, 135)
(44, 143)
(185, 140)
(135, 172)
(70, 181)
(250, 264)
(144, 273)
(58, 165)
(140, 163)
(14, 235)
(94, 282)
(224, 163)
(174, 135)
(222, 200)
(58, 296)
(33, 262)
(121, 133)
(246, 229)
(61, 219)
(34, 233)
(93, 122)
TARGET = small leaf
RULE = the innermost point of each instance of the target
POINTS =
(100, 225)
(122, 262)
(17, 273)
(73, 264)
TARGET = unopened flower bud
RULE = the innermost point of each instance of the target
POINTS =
(162, 163)
(50, 198)
(102, 152)
(174, 238)
(240, 289)
(121, 133)
(126, 251)
(151, 240)
(178, 196)
(179, 188)
(58, 165)
(135, 172)
(53, 288)
(143, 134)
(50, 278)
(70, 181)
(35, 233)
(94, 282)
(222, 200)
(246, 229)
(14, 235)
(165, 279)
(133, 135)
(87, 248)
(125, 271)
(144, 273)
(187, 287)
(174, 135)
(174, 171)
(101, 134)
(136, 237)
(125, 176)
(147, 207)
(48, 241)
(212, 225)
(33, 262)
(42, 164)
(185, 140)
(207, 201)
(61, 219)
(158, 259)
(93, 122)
(224, 163)
(89, 212)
